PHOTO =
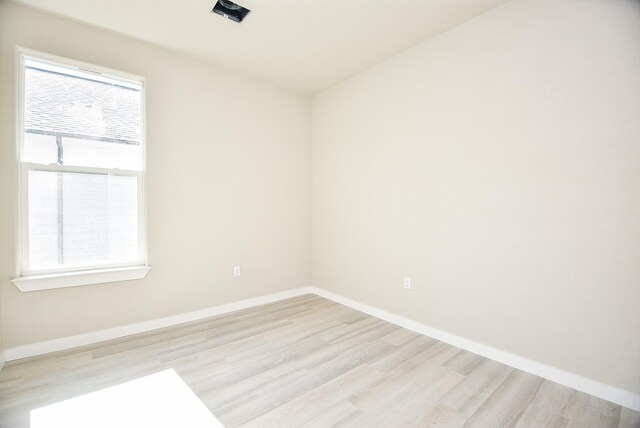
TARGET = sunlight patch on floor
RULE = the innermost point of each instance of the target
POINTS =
(160, 400)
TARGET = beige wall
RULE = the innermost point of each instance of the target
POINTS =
(228, 184)
(498, 165)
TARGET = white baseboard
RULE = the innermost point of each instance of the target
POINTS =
(572, 380)
(2, 359)
(69, 342)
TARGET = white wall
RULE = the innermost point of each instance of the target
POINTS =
(228, 184)
(498, 165)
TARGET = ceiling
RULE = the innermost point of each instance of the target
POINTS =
(305, 45)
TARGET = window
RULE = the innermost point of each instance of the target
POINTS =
(81, 156)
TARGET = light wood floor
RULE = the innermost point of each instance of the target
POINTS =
(310, 362)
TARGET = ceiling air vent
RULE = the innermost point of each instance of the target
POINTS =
(230, 10)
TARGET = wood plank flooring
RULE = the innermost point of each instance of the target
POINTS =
(310, 362)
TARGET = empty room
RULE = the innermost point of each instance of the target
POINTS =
(319, 213)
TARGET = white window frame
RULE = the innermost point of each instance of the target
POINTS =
(29, 280)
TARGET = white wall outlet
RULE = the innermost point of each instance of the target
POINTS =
(407, 282)
(236, 271)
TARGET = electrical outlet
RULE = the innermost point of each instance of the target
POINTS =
(236, 271)
(407, 282)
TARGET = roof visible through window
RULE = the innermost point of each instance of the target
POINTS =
(80, 104)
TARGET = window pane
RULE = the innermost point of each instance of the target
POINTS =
(80, 152)
(43, 220)
(99, 118)
(40, 148)
(79, 220)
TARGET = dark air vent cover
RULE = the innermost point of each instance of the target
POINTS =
(230, 10)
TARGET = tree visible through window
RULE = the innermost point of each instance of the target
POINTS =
(82, 169)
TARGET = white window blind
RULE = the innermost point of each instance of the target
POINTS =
(82, 169)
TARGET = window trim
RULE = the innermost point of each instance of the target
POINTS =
(73, 279)
(28, 280)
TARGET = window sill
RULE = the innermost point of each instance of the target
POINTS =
(73, 279)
